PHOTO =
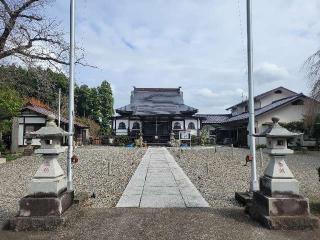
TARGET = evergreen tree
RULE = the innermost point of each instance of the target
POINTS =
(106, 106)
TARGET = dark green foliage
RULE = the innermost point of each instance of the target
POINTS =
(194, 140)
(121, 140)
(39, 83)
(43, 84)
(10, 103)
(316, 130)
(96, 104)
(106, 106)
(297, 126)
(261, 146)
(10, 106)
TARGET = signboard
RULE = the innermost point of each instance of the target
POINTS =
(185, 135)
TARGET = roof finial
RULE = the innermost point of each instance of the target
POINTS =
(275, 119)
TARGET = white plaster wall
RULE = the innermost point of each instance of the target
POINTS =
(121, 131)
(273, 97)
(20, 134)
(286, 114)
(35, 120)
(133, 121)
(181, 122)
(193, 131)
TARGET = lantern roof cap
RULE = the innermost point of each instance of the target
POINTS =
(275, 130)
(50, 130)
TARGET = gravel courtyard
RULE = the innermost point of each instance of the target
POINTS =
(90, 175)
(218, 175)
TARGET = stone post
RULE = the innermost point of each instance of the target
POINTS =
(14, 135)
(278, 204)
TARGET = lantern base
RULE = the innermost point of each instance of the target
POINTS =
(41, 213)
(48, 186)
(279, 186)
(286, 212)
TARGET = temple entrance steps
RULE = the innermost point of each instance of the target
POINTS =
(159, 182)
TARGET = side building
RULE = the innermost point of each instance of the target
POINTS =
(33, 116)
(155, 113)
(288, 105)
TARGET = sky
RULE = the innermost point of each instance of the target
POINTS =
(199, 45)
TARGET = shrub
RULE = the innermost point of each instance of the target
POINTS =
(204, 136)
(261, 146)
(121, 140)
(194, 140)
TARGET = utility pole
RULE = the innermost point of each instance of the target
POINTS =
(59, 107)
(71, 96)
(254, 186)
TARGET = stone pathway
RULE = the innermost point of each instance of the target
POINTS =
(159, 182)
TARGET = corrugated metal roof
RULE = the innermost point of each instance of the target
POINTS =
(46, 112)
(156, 101)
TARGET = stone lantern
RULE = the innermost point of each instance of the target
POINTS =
(50, 178)
(47, 197)
(278, 204)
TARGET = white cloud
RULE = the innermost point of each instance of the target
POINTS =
(269, 72)
(194, 44)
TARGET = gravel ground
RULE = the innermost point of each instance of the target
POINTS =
(218, 175)
(90, 175)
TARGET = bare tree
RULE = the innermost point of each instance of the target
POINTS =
(313, 68)
(26, 34)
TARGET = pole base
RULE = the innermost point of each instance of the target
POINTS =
(254, 186)
(243, 198)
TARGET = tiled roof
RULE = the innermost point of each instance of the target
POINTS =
(46, 112)
(156, 101)
(214, 118)
(270, 107)
(263, 95)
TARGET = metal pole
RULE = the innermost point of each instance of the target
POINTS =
(71, 96)
(59, 107)
(254, 186)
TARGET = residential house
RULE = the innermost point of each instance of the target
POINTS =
(34, 116)
(288, 105)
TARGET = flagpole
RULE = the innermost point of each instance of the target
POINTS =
(71, 96)
(254, 186)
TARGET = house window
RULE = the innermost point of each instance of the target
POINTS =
(122, 125)
(298, 102)
(278, 92)
(177, 125)
(191, 125)
(136, 125)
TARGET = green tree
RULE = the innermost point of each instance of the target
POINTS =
(106, 106)
(42, 84)
(10, 106)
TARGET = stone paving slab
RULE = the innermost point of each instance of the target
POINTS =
(159, 182)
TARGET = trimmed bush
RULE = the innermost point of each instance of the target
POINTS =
(121, 140)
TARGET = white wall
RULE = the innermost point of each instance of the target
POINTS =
(273, 97)
(193, 131)
(286, 114)
(133, 121)
(20, 134)
(121, 131)
(181, 123)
